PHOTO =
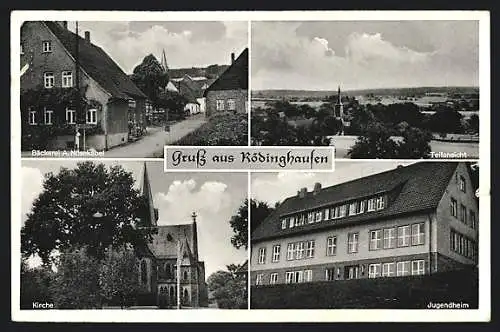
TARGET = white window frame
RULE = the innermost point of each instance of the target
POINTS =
(290, 251)
(330, 274)
(331, 246)
(307, 275)
(360, 207)
(48, 80)
(453, 207)
(47, 114)
(417, 234)
(376, 239)
(93, 116)
(289, 275)
(462, 184)
(403, 268)
(310, 217)
(299, 250)
(374, 270)
(67, 79)
(291, 224)
(352, 272)
(343, 211)
(71, 119)
(32, 118)
(311, 244)
(327, 214)
(352, 243)
(262, 255)
(273, 278)
(298, 276)
(371, 205)
(46, 46)
(283, 223)
(404, 238)
(472, 217)
(231, 105)
(220, 104)
(389, 238)
(297, 220)
(389, 269)
(352, 208)
(258, 279)
(276, 253)
(335, 213)
(380, 203)
(318, 216)
(302, 220)
(418, 267)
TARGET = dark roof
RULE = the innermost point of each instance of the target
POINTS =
(418, 187)
(97, 64)
(235, 77)
(164, 244)
(189, 90)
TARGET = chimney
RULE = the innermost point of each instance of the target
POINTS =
(232, 58)
(302, 192)
(317, 188)
(87, 36)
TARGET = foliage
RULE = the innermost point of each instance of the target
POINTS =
(228, 289)
(473, 123)
(258, 212)
(118, 277)
(173, 102)
(150, 76)
(224, 129)
(64, 214)
(376, 143)
(446, 120)
(239, 224)
(415, 144)
(35, 285)
(76, 284)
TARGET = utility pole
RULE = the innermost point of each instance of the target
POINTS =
(179, 259)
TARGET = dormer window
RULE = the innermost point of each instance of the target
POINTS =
(380, 203)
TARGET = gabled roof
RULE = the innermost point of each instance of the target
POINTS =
(97, 64)
(235, 77)
(189, 90)
(419, 186)
(164, 244)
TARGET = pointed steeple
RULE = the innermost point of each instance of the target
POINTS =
(164, 61)
(146, 192)
(195, 236)
(340, 98)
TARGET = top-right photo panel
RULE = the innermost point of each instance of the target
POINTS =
(372, 89)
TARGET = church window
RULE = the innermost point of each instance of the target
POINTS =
(185, 275)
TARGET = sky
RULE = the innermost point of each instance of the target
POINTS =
(275, 187)
(364, 54)
(215, 197)
(186, 44)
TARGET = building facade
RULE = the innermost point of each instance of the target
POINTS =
(172, 247)
(413, 220)
(229, 92)
(56, 62)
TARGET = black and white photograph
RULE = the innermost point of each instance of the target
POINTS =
(371, 235)
(129, 236)
(127, 88)
(373, 89)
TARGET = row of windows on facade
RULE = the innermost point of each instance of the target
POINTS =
(386, 238)
(334, 212)
(46, 47)
(462, 215)
(221, 105)
(377, 270)
(66, 79)
(90, 117)
(463, 245)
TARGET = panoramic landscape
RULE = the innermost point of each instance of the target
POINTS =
(367, 90)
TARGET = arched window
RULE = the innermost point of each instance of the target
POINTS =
(144, 272)
(185, 275)
(185, 296)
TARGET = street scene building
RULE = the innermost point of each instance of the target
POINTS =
(230, 91)
(413, 220)
(173, 246)
(73, 95)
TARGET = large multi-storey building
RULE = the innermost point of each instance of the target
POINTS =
(412, 220)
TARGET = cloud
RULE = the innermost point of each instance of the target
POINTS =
(32, 186)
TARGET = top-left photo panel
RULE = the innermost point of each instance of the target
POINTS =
(125, 89)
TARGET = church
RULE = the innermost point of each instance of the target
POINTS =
(158, 261)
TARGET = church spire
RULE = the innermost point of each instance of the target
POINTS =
(164, 61)
(146, 192)
(340, 98)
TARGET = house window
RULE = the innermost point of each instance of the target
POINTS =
(352, 209)
(389, 238)
(273, 279)
(299, 250)
(310, 217)
(360, 207)
(404, 236)
(290, 249)
(231, 105)
(48, 80)
(262, 255)
(220, 104)
(297, 220)
(376, 239)
(318, 216)
(302, 219)
(371, 204)
(343, 211)
(374, 270)
(70, 116)
(417, 267)
(308, 275)
(330, 274)
(32, 118)
(352, 272)
(310, 249)
(290, 222)
(67, 79)
(331, 246)
(417, 234)
(352, 242)
(453, 207)
(298, 277)
(403, 269)
(47, 115)
(258, 280)
(276, 253)
(388, 269)
(462, 184)
(463, 213)
(335, 212)
(380, 203)
(289, 277)
(283, 223)
(472, 217)
(326, 214)
(131, 103)
(46, 46)
(92, 116)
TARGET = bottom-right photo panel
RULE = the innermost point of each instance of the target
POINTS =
(371, 234)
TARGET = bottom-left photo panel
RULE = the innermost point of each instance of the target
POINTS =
(127, 235)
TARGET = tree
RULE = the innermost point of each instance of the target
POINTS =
(76, 283)
(259, 211)
(415, 144)
(118, 276)
(239, 224)
(473, 123)
(446, 120)
(228, 289)
(172, 101)
(150, 76)
(375, 143)
(35, 285)
(86, 206)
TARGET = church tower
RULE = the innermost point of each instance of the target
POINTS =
(339, 107)
(152, 213)
(164, 61)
